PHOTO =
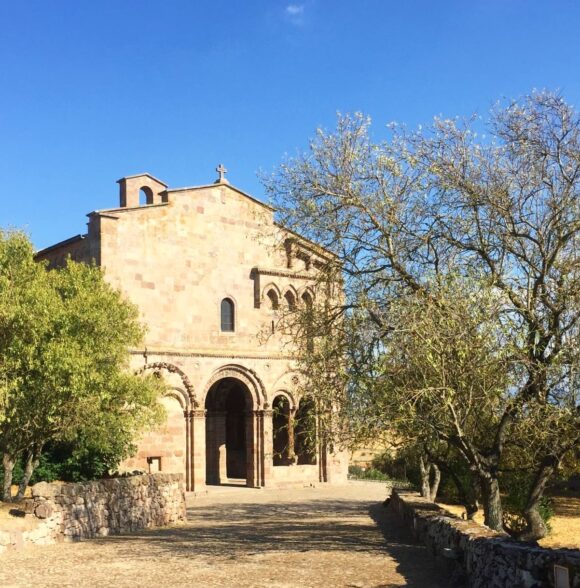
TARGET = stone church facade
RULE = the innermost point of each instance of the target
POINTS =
(208, 267)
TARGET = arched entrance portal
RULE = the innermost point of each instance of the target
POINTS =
(229, 433)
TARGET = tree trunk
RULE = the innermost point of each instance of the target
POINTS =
(471, 504)
(425, 468)
(467, 494)
(492, 509)
(536, 528)
(8, 463)
(435, 482)
(32, 460)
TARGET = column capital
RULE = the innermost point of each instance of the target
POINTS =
(260, 412)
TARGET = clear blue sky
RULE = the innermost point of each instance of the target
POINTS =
(94, 90)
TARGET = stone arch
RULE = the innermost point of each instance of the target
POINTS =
(188, 391)
(306, 291)
(271, 286)
(147, 192)
(282, 430)
(288, 383)
(288, 395)
(247, 376)
(185, 396)
(179, 395)
(290, 298)
(292, 290)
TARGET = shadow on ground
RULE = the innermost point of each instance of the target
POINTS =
(235, 531)
(413, 559)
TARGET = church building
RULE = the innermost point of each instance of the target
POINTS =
(209, 269)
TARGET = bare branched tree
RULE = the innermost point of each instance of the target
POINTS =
(501, 214)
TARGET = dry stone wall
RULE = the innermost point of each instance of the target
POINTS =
(62, 511)
(479, 557)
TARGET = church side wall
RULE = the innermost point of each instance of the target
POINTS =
(77, 250)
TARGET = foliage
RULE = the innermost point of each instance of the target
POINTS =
(64, 339)
(359, 473)
(458, 324)
(401, 466)
(517, 484)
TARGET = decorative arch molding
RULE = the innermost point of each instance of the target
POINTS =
(289, 380)
(289, 397)
(247, 376)
(179, 395)
(292, 291)
(188, 395)
(268, 287)
(306, 290)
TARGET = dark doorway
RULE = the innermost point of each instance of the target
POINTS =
(228, 432)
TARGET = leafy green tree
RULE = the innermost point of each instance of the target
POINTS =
(64, 339)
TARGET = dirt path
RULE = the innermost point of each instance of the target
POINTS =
(329, 537)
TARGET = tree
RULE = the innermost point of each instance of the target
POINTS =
(405, 214)
(64, 339)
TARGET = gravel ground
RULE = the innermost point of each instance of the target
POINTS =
(308, 537)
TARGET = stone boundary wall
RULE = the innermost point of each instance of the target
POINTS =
(482, 558)
(62, 511)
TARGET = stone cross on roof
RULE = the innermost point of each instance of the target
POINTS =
(221, 170)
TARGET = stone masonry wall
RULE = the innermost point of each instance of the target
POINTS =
(483, 558)
(62, 511)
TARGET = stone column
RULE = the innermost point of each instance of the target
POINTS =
(268, 447)
(292, 458)
(216, 447)
(198, 467)
(188, 438)
(253, 453)
(220, 444)
(321, 450)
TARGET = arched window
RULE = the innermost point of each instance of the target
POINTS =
(273, 298)
(281, 430)
(305, 432)
(290, 300)
(227, 315)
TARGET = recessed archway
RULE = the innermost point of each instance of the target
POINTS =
(229, 433)
(282, 432)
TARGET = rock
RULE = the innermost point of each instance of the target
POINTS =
(43, 510)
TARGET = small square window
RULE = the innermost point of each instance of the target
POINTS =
(154, 464)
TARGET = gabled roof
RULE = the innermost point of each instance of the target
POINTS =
(227, 185)
(109, 212)
(61, 244)
(140, 176)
